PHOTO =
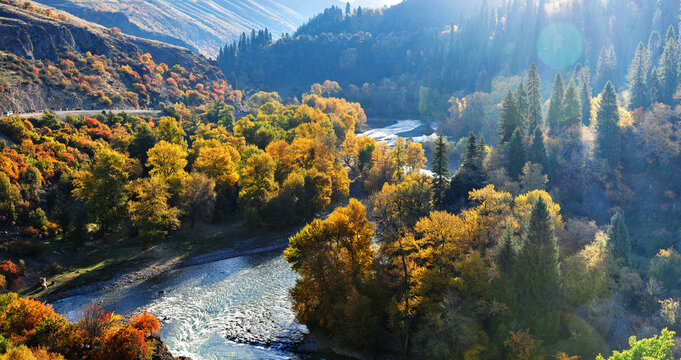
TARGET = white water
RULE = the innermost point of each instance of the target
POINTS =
(202, 306)
(402, 128)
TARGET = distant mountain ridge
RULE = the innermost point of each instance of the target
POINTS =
(204, 25)
(50, 59)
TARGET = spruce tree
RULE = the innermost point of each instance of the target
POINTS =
(516, 155)
(523, 105)
(585, 95)
(654, 86)
(638, 92)
(534, 98)
(619, 239)
(606, 68)
(537, 151)
(669, 69)
(608, 131)
(538, 275)
(503, 286)
(572, 112)
(509, 119)
(470, 175)
(440, 171)
(553, 118)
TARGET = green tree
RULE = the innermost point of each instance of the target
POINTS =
(104, 189)
(534, 98)
(440, 171)
(510, 119)
(657, 348)
(619, 239)
(538, 274)
(585, 95)
(537, 151)
(608, 137)
(572, 113)
(143, 140)
(523, 104)
(669, 69)
(471, 174)
(638, 90)
(654, 86)
(555, 114)
(503, 287)
(516, 155)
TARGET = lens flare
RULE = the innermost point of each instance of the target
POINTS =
(560, 45)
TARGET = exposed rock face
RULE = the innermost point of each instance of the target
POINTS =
(34, 36)
(161, 351)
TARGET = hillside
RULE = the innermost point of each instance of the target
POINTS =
(205, 25)
(410, 59)
(51, 59)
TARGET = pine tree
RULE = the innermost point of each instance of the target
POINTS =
(606, 68)
(572, 113)
(440, 171)
(516, 155)
(537, 151)
(609, 141)
(619, 239)
(503, 286)
(534, 98)
(555, 113)
(509, 119)
(638, 93)
(470, 175)
(669, 69)
(585, 95)
(522, 103)
(538, 275)
(654, 86)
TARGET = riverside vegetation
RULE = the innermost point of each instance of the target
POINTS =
(556, 235)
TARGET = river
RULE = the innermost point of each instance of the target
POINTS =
(219, 309)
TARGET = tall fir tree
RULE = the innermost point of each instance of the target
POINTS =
(669, 69)
(503, 286)
(471, 174)
(440, 171)
(534, 117)
(554, 116)
(654, 86)
(538, 275)
(537, 151)
(523, 104)
(516, 155)
(619, 239)
(572, 112)
(638, 91)
(608, 130)
(585, 95)
(606, 68)
(509, 119)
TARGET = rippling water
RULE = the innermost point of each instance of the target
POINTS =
(196, 305)
(403, 128)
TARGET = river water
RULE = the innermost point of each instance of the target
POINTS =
(202, 307)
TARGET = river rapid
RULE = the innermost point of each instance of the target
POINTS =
(237, 308)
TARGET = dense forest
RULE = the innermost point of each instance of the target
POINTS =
(408, 60)
(543, 221)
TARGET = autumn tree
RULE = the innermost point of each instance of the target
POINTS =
(169, 130)
(150, 213)
(167, 160)
(257, 185)
(608, 131)
(199, 197)
(538, 274)
(103, 189)
(333, 258)
(415, 158)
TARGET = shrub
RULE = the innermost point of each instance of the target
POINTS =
(666, 268)
(124, 343)
(146, 322)
(10, 271)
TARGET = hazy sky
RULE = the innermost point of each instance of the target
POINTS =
(374, 3)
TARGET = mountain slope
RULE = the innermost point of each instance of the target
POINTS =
(49, 59)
